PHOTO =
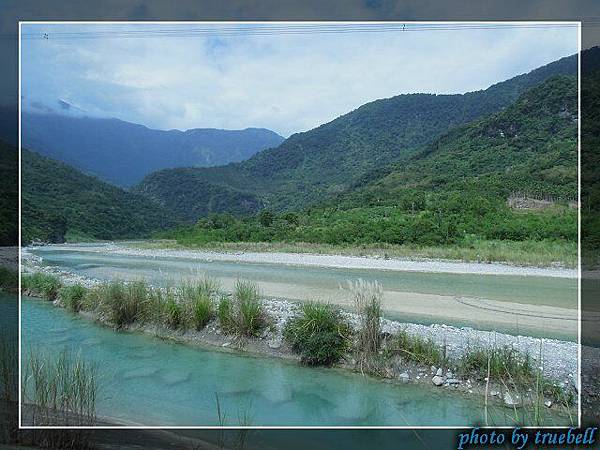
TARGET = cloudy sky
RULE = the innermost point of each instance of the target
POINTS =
(285, 79)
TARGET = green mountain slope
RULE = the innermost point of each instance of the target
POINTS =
(60, 202)
(530, 148)
(452, 193)
(312, 166)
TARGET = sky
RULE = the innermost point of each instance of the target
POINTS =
(233, 76)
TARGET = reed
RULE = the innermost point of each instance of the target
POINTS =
(63, 390)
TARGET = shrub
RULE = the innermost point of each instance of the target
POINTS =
(318, 334)
(72, 297)
(42, 284)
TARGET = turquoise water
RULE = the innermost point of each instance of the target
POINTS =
(148, 381)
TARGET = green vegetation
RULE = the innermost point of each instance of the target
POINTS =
(72, 297)
(121, 303)
(319, 334)
(367, 301)
(503, 363)
(452, 194)
(58, 202)
(416, 348)
(243, 314)
(41, 284)
(308, 168)
(64, 390)
(9, 280)
(198, 298)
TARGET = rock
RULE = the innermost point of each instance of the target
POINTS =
(452, 381)
(547, 403)
(433, 369)
(275, 344)
(495, 394)
(439, 372)
(449, 374)
(511, 402)
(437, 380)
(226, 344)
(404, 377)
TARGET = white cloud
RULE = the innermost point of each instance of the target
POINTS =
(287, 83)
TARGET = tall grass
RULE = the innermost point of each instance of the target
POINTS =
(121, 303)
(63, 390)
(416, 348)
(250, 315)
(197, 298)
(41, 284)
(243, 313)
(367, 301)
(318, 334)
(72, 297)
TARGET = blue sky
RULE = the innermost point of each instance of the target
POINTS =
(287, 82)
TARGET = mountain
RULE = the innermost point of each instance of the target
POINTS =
(59, 202)
(453, 191)
(123, 153)
(310, 167)
(529, 147)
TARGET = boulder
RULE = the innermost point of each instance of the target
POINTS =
(404, 377)
(437, 380)
(439, 372)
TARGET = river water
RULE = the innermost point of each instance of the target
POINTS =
(144, 380)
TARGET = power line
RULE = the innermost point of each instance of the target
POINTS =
(269, 30)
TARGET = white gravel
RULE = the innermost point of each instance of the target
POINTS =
(333, 261)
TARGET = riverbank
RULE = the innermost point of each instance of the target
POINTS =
(374, 262)
(523, 254)
(557, 359)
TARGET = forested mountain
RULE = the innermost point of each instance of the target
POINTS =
(530, 148)
(452, 192)
(123, 153)
(310, 167)
(60, 202)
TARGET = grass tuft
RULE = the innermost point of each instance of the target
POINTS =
(41, 284)
(72, 297)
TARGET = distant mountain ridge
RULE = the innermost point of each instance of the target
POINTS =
(59, 202)
(310, 167)
(123, 153)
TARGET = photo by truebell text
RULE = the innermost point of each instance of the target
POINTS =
(520, 438)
